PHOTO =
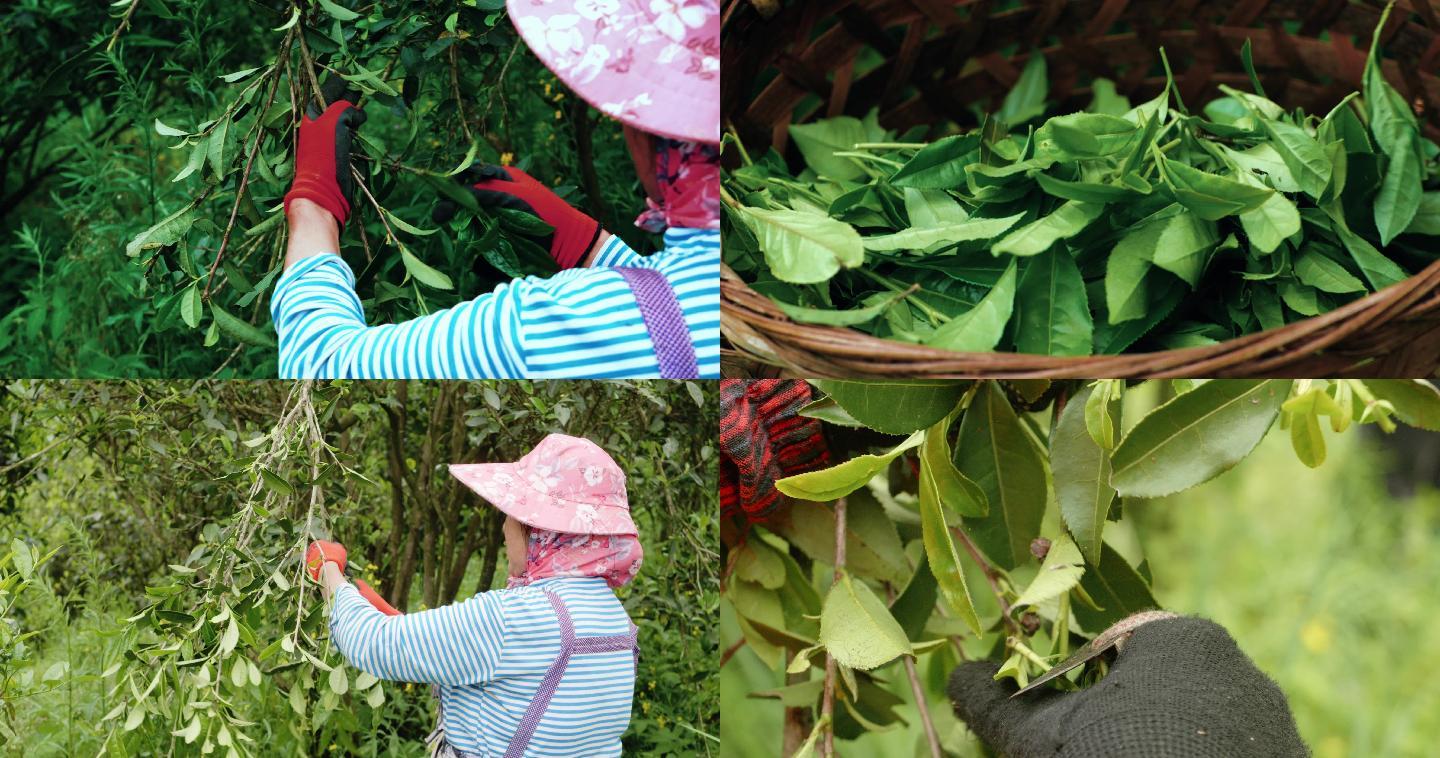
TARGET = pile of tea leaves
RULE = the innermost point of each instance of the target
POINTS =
(1118, 228)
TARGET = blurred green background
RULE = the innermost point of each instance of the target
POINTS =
(1326, 578)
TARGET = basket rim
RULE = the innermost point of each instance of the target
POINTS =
(756, 313)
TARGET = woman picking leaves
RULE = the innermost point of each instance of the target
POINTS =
(544, 667)
(609, 312)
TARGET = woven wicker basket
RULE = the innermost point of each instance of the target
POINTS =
(790, 62)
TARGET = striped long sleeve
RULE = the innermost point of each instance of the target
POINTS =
(490, 655)
(580, 323)
(456, 645)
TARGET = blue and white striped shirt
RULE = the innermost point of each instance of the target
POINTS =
(579, 323)
(489, 654)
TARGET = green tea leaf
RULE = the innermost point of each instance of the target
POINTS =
(1038, 236)
(804, 248)
(238, 75)
(169, 131)
(1081, 469)
(939, 165)
(407, 227)
(1059, 573)
(166, 231)
(995, 452)
(1416, 401)
(916, 603)
(191, 306)
(830, 317)
(241, 331)
(338, 12)
(922, 238)
(1117, 589)
(858, 629)
(837, 481)
(1302, 155)
(941, 482)
(819, 141)
(1427, 216)
(423, 272)
(1196, 436)
(1052, 311)
(1026, 100)
(895, 407)
(944, 562)
(1319, 271)
(980, 328)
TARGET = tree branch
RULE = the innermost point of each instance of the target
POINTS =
(124, 24)
(245, 175)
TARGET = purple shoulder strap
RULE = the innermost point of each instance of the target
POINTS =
(665, 322)
(569, 645)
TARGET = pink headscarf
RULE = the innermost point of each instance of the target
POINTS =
(615, 557)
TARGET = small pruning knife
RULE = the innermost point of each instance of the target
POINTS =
(1114, 637)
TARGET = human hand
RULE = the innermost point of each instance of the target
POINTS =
(322, 152)
(321, 552)
(1179, 686)
(574, 234)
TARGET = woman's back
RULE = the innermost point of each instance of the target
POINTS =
(490, 656)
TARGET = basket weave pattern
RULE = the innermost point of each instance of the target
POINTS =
(797, 62)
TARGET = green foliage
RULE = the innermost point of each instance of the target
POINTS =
(1008, 506)
(144, 155)
(177, 603)
(1144, 227)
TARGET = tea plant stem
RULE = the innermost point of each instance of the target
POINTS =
(921, 703)
(744, 154)
(990, 578)
(274, 75)
(867, 157)
(124, 24)
(459, 102)
(936, 317)
(889, 145)
(827, 706)
(1025, 652)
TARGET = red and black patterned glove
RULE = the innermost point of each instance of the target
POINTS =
(322, 152)
(763, 438)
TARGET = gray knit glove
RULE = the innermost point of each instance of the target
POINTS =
(1179, 687)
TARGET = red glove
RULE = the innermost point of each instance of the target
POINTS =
(322, 153)
(374, 597)
(763, 438)
(499, 187)
(322, 552)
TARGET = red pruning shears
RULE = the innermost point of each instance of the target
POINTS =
(366, 591)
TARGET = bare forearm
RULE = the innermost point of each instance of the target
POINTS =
(313, 230)
(331, 579)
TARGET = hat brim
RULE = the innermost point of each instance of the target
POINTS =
(689, 107)
(501, 485)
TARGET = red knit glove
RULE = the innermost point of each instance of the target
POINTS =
(322, 154)
(499, 187)
(374, 597)
(763, 438)
(321, 553)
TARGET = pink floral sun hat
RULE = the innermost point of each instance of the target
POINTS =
(652, 64)
(565, 484)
